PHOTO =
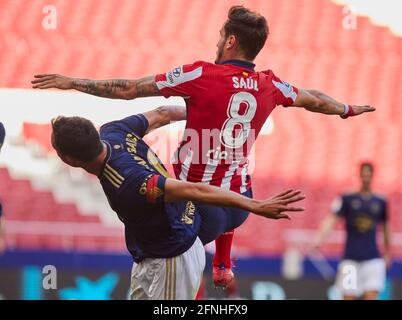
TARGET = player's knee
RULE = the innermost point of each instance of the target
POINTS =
(238, 219)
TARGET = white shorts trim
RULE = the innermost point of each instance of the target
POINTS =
(176, 278)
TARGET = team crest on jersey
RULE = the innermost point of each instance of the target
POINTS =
(375, 208)
(363, 223)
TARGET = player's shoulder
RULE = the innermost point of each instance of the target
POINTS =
(349, 195)
(110, 127)
(136, 124)
(113, 173)
(110, 133)
(267, 72)
(270, 77)
(198, 64)
(380, 197)
(203, 63)
(121, 171)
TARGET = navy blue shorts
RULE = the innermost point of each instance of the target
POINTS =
(218, 220)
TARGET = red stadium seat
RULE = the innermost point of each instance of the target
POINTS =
(22, 203)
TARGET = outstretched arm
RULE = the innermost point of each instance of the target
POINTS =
(316, 101)
(325, 229)
(272, 208)
(114, 88)
(164, 115)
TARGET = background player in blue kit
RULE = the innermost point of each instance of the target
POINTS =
(161, 222)
(362, 211)
(2, 237)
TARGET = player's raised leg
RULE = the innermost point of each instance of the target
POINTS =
(222, 263)
(222, 273)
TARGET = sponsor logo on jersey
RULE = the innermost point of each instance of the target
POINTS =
(169, 77)
(175, 73)
(363, 223)
(132, 142)
(286, 89)
(188, 214)
(217, 154)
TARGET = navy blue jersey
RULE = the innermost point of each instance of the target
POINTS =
(362, 214)
(1, 209)
(133, 180)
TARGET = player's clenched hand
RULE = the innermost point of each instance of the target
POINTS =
(275, 207)
(46, 81)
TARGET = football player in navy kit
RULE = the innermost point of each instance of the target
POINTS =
(160, 215)
(362, 271)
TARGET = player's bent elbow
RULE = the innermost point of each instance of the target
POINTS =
(161, 116)
(163, 113)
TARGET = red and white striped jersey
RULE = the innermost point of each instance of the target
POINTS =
(227, 105)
